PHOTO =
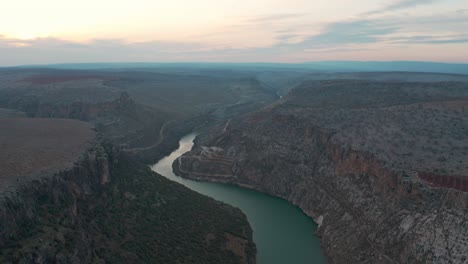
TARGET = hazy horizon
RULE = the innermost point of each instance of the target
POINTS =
(53, 31)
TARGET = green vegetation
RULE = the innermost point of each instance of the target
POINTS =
(140, 217)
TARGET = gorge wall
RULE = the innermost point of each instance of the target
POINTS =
(39, 217)
(372, 205)
(106, 207)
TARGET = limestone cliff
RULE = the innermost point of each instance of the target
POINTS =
(372, 204)
(35, 208)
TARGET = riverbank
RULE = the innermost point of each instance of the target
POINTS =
(281, 231)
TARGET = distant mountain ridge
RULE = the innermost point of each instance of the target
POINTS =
(336, 66)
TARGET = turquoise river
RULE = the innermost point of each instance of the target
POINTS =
(282, 233)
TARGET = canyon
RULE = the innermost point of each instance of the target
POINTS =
(69, 195)
(377, 159)
(354, 155)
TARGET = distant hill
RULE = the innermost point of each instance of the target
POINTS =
(336, 66)
(403, 66)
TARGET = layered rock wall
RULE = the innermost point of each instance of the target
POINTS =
(368, 212)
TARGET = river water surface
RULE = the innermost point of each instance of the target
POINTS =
(282, 233)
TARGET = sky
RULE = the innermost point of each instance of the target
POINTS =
(66, 31)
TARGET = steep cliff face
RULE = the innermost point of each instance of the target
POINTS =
(36, 213)
(371, 206)
(109, 208)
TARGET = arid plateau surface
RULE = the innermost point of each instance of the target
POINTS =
(31, 146)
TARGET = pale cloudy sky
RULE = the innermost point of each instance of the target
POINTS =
(59, 31)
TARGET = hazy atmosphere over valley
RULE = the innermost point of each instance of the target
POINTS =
(243, 132)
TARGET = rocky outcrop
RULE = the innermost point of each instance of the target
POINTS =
(33, 201)
(368, 209)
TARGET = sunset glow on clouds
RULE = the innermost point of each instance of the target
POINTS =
(56, 31)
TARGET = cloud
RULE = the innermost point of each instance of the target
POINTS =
(456, 20)
(275, 17)
(447, 39)
(379, 35)
(341, 34)
(400, 4)
(433, 29)
(52, 50)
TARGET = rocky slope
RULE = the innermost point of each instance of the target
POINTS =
(380, 166)
(101, 206)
